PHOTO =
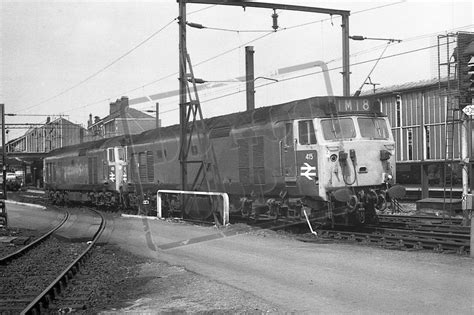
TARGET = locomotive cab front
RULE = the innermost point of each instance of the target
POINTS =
(341, 162)
(358, 166)
(116, 167)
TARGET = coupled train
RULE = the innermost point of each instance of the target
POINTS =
(329, 157)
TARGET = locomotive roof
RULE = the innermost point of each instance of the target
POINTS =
(322, 106)
(77, 147)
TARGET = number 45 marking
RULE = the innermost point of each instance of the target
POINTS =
(309, 156)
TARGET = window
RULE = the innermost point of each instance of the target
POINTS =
(306, 132)
(373, 128)
(398, 111)
(338, 128)
(121, 154)
(109, 127)
(111, 154)
(410, 143)
(427, 143)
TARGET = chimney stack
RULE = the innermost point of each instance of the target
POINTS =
(123, 103)
(113, 107)
(250, 77)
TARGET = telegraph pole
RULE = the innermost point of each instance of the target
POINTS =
(3, 206)
(182, 94)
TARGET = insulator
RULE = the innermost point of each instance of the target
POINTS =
(195, 25)
(275, 20)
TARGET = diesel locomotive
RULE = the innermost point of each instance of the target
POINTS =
(332, 158)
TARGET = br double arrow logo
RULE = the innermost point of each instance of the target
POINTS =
(308, 171)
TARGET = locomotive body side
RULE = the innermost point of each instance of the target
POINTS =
(329, 157)
(88, 172)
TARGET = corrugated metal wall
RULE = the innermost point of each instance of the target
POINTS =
(418, 124)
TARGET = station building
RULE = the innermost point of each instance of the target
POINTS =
(25, 153)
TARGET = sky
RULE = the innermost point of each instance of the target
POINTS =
(74, 58)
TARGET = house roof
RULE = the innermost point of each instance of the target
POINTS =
(31, 129)
(404, 87)
(128, 113)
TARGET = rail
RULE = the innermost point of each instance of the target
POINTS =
(225, 197)
(41, 302)
(8, 258)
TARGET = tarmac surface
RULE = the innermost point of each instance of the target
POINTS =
(292, 276)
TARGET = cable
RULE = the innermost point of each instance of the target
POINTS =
(303, 75)
(103, 68)
(238, 47)
(373, 68)
(330, 18)
(175, 73)
(261, 37)
(114, 61)
(320, 71)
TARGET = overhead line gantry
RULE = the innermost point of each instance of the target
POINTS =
(192, 108)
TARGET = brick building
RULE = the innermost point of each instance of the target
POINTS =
(122, 119)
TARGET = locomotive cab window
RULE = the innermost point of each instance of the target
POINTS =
(111, 155)
(306, 132)
(338, 128)
(373, 128)
(121, 154)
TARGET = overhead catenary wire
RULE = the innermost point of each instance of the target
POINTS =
(340, 67)
(221, 54)
(103, 68)
(153, 35)
(292, 78)
(306, 75)
(115, 60)
(175, 73)
(256, 39)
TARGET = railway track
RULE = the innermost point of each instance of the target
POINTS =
(413, 233)
(34, 276)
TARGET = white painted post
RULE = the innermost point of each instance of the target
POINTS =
(225, 198)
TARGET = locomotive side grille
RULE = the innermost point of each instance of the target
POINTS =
(142, 169)
(244, 161)
(258, 161)
(251, 160)
(150, 167)
(134, 167)
(92, 169)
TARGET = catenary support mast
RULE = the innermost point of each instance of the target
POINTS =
(183, 117)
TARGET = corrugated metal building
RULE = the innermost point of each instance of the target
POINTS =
(417, 112)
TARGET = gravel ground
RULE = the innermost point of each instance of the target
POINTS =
(119, 282)
(122, 283)
(12, 239)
